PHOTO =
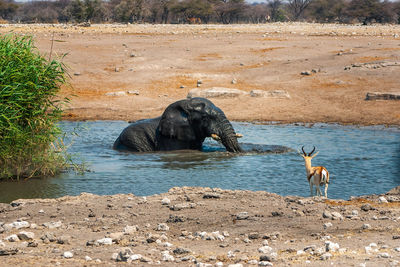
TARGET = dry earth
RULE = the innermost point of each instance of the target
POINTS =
(201, 227)
(164, 62)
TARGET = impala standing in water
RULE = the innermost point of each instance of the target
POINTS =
(317, 176)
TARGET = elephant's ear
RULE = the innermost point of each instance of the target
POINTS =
(175, 124)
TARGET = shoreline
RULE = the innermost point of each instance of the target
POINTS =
(200, 226)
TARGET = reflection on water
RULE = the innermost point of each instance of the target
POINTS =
(361, 160)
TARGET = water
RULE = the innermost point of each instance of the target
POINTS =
(361, 160)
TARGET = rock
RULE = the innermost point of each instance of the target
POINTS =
(265, 263)
(53, 225)
(8, 251)
(327, 225)
(166, 257)
(384, 255)
(48, 237)
(326, 256)
(366, 207)
(68, 254)
(119, 93)
(383, 96)
(270, 94)
(265, 249)
(87, 258)
(181, 251)
(397, 249)
(373, 247)
(242, 215)
(32, 244)
(123, 255)
(12, 238)
(162, 227)
(382, 199)
(255, 235)
(211, 195)
(215, 92)
(234, 81)
(116, 236)
(327, 214)
(130, 229)
(104, 241)
(336, 216)
(235, 265)
(306, 73)
(265, 258)
(26, 235)
(17, 225)
(77, 73)
(165, 201)
(133, 92)
(366, 226)
(331, 247)
(135, 257)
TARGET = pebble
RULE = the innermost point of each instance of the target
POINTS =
(235, 265)
(382, 199)
(384, 255)
(366, 226)
(265, 263)
(87, 258)
(26, 235)
(162, 227)
(336, 216)
(53, 225)
(242, 216)
(326, 256)
(306, 73)
(166, 257)
(165, 201)
(104, 241)
(130, 229)
(327, 225)
(366, 207)
(17, 225)
(331, 246)
(265, 249)
(373, 247)
(397, 249)
(12, 238)
(68, 254)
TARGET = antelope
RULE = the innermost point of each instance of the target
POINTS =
(317, 175)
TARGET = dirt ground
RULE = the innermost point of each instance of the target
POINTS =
(201, 227)
(164, 62)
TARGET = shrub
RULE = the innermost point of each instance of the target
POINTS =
(29, 110)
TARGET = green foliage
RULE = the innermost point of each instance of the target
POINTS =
(29, 144)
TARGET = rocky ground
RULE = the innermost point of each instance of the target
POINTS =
(322, 71)
(201, 227)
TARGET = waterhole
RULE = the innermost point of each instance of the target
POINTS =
(361, 160)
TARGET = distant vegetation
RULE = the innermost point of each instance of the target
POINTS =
(29, 137)
(200, 11)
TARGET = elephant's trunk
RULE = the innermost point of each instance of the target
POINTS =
(229, 137)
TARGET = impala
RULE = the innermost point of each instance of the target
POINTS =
(317, 175)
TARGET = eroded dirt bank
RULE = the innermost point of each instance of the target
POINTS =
(201, 227)
(160, 64)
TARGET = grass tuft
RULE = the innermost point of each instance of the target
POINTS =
(29, 109)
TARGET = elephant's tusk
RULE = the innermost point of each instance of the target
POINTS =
(238, 135)
(215, 137)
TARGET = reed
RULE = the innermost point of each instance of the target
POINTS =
(30, 144)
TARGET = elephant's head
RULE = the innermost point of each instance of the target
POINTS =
(192, 120)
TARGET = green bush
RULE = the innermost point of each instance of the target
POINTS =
(29, 110)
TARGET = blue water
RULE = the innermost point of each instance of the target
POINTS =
(361, 160)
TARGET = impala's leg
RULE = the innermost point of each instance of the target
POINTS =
(326, 190)
(318, 190)
(311, 194)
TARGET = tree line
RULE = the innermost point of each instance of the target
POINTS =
(200, 11)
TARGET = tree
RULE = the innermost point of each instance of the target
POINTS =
(327, 10)
(276, 11)
(368, 11)
(230, 11)
(7, 9)
(297, 7)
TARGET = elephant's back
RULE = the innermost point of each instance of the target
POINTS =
(139, 136)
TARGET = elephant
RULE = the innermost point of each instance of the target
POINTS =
(183, 125)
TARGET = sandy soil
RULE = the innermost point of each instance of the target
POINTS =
(199, 226)
(164, 62)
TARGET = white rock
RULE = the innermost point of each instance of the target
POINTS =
(265, 263)
(26, 235)
(269, 94)
(2, 244)
(327, 225)
(235, 265)
(326, 256)
(215, 92)
(166, 257)
(130, 229)
(337, 216)
(253, 262)
(384, 255)
(371, 248)
(133, 92)
(87, 258)
(354, 212)
(382, 199)
(12, 238)
(41, 211)
(342, 250)
(397, 249)
(165, 201)
(68, 254)
(135, 257)
(331, 246)
(104, 241)
(162, 227)
(53, 225)
(19, 225)
(300, 252)
(201, 264)
(230, 254)
(366, 226)
(119, 93)
(265, 249)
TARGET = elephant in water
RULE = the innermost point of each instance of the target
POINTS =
(183, 125)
